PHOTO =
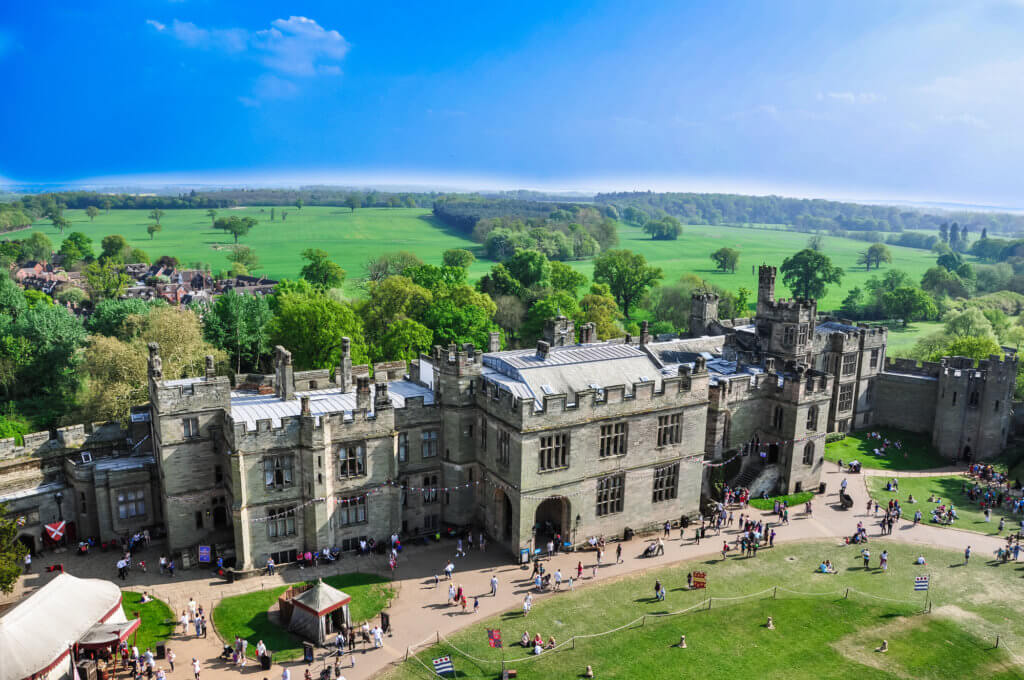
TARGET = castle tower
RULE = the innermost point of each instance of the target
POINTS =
(457, 370)
(765, 285)
(972, 416)
(703, 311)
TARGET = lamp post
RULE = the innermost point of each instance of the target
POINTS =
(575, 529)
(60, 510)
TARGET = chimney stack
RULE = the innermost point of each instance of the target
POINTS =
(210, 373)
(381, 398)
(542, 350)
(588, 333)
(305, 405)
(494, 342)
(283, 375)
(645, 337)
(343, 375)
(363, 393)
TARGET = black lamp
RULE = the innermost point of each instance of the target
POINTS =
(60, 510)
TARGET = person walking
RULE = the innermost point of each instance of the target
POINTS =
(494, 586)
(967, 555)
(195, 668)
(171, 656)
(579, 570)
(618, 553)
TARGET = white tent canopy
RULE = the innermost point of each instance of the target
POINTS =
(35, 636)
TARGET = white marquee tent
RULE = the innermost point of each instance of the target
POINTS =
(36, 636)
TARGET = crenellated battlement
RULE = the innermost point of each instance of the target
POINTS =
(963, 368)
(70, 438)
(455, 360)
(928, 369)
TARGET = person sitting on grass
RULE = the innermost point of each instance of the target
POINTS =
(551, 643)
(525, 640)
(910, 499)
(920, 560)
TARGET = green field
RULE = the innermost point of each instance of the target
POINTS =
(949, 490)
(819, 632)
(917, 452)
(157, 619)
(247, 615)
(901, 340)
(353, 238)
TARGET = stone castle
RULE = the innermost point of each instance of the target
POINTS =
(575, 436)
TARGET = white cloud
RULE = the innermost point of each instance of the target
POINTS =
(269, 86)
(965, 119)
(852, 97)
(296, 46)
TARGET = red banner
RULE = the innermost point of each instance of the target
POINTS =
(56, 530)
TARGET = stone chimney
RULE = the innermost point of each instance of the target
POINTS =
(559, 332)
(542, 350)
(156, 365)
(363, 393)
(381, 398)
(210, 373)
(588, 333)
(645, 336)
(343, 374)
(283, 375)
(494, 342)
(305, 405)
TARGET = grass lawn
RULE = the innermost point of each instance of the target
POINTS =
(948, 489)
(917, 452)
(352, 238)
(246, 615)
(791, 500)
(816, 636)
(901, 339)
(157, 619)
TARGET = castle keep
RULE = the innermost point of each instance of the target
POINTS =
(574, 436)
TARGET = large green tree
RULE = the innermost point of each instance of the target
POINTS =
(235, 225)
(92, 211)
(12, 551)
(156, 214)
(627, 274)
(808, 272)
(239, 325)
(564, 277)
(106, 280)
(726, 259)
(320, 270)
(909, 303)
(76, 248)
(311, 326)
(458, 257)
(244, 256)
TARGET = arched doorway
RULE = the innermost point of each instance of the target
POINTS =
(220, 517)
(503, 516)
(773, 454)
(552, 518)
(967, 453)
(28, 542)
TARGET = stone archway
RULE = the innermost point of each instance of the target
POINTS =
(552, 517)
(773, 454)
(28, 542)
(504, 516)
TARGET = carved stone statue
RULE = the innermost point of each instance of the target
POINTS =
(156, 365)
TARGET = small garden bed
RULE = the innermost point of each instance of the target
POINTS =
(792, 500)
(248, 615)
(157, 619)
(916, 453)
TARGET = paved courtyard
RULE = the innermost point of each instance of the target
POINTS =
(419, 611)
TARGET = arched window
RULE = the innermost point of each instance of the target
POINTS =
(973, 401)
(809, 453)
(812, 418)
(777, 418)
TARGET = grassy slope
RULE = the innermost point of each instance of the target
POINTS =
(153, 628)
(948, 489)
(246, 615)
(901, 340)
(917, 452)
(352, 238)
(816, 637)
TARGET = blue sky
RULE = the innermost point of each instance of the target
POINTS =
(921, 100)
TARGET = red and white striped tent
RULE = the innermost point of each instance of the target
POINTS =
(36, 636)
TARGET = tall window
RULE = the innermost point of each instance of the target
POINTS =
(610, 492)
(846, 397)
(789, 336)
(430, 489)
(191, 427)
(874, 358)
(351, 460)
(850, 363)
(809, 453)
(801, 335)
(504, 447)
(280, 522)
(613, 439)
(483, 435)
(554, 451)
(973, 399)
(131, 504)
(812, 418)
(666, 481)
(403, 447)
(277, 471)
(429, 449)
(352, 511)
(669, 430)
(777, 417)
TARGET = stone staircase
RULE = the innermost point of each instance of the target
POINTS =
(758, 479)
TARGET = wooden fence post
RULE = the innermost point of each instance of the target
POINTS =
(774, 590)
(847, 595)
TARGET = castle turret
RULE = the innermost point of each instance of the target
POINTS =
(972, 416)
(765, 285)
(703, 311)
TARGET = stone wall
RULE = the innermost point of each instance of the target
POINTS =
(905, 401)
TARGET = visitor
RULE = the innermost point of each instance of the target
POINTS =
(967, 555)
(270, 566)
(494, 586)
(476, 604)
(195, 668)
(525, 640)
(618, 552)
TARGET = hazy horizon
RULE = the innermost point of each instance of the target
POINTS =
(918, 102)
